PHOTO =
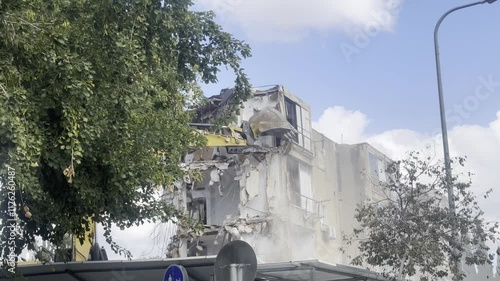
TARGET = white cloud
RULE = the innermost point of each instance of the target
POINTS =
(481, 145)
(396, 143)
(343, 126)
(291, 20)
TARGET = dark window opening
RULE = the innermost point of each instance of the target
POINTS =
(291, 112)
(198, 210)
(291, 115)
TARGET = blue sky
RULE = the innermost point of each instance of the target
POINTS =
(392, 80)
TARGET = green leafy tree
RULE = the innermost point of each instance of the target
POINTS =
(408, 232)
(94, 99)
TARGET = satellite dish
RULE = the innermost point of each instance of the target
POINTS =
(236, 261)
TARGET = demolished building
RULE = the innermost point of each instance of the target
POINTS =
(290, 194)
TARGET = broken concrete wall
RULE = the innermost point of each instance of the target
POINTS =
(291, 228)
(253, 196)
(216, 195)
(233, 192)
(265, 186)
(253, 184)
(270, 244)
(224, 195)
(265, 192)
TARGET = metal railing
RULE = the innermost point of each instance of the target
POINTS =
(307, 204)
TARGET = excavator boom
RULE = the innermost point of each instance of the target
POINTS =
(266, 122)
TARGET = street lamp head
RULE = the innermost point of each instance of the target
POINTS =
(490, 1)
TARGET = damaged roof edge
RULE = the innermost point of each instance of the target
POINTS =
(226, 93)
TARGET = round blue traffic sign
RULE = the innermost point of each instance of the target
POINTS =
(176, 273)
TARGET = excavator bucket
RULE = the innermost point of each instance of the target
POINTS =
(270, 122)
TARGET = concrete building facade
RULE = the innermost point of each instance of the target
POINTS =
(293, 199)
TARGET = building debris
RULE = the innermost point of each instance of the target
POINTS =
(242, 176)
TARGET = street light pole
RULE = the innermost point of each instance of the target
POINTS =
(444, 131)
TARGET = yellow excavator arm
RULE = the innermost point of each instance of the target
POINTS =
(265, 122)
(82, 251)
(234, 137)
(88, 250)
